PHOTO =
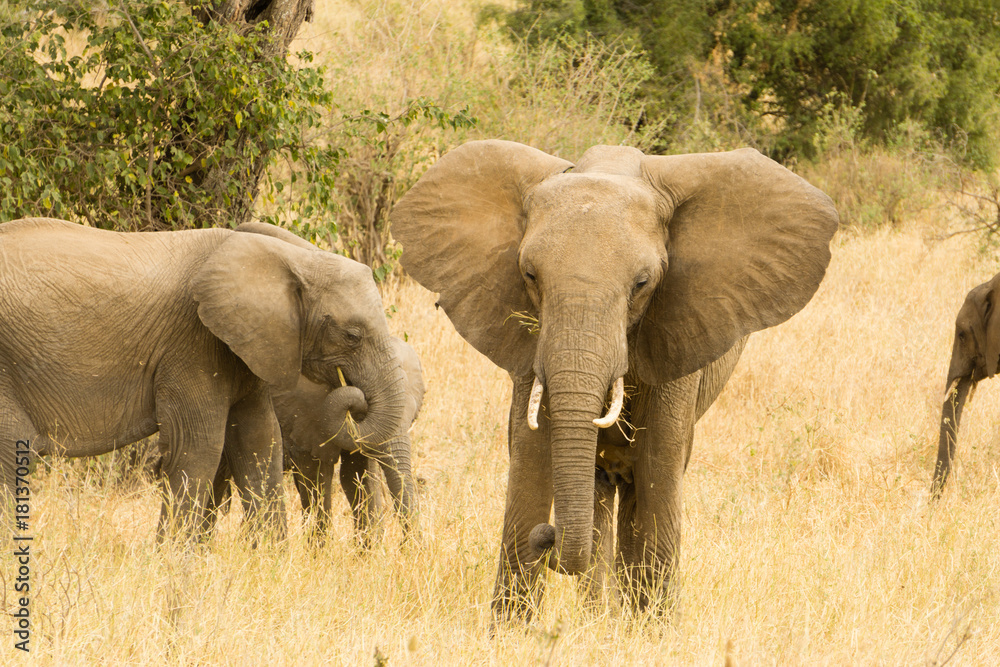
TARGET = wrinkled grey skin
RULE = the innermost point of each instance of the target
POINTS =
(975, 356)
(107, 338)
(316, 435)
(652, 269)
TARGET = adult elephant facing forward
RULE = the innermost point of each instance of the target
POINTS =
(620, 269)
(107, 338)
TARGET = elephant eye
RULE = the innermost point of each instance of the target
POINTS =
(353, 338)
(642, 282)
(529, 276)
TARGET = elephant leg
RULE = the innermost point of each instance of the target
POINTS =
(649, 525)
(254, 455)
(218, 501)
(597, 584)
(519, 585)
(361, 485)
(191, 442)
(19, 443)
(305, 474)
(626, 550)
(324, 497)
(309, 483)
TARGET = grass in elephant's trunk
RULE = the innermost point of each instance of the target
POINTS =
(377, 435)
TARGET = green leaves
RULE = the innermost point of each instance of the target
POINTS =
(340, 191)
(929, 61)
(142, 117)
(932, 62)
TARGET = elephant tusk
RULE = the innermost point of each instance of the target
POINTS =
(534, 403)
(951, 388)
(617, 398)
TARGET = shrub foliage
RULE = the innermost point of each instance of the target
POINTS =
(144, 116)
(935, 63)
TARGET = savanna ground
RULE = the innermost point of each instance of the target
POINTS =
(808, 537)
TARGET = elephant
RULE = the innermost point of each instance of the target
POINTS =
(975, 355)
(619, 270)
(107, 337)
(316, 433)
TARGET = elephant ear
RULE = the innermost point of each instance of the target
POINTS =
(991, 319)
(748, 244)
(248, 296)
(461, 227)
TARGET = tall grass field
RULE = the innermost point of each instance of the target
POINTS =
(809, 537)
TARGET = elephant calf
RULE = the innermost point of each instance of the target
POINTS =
(316, 433)
(974, 357)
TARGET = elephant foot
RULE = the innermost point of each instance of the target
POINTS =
(512, 612)
(648, 590)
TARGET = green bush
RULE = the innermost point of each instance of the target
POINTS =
(762, 73)
(143, 117)
(932, 62)
(872, 184)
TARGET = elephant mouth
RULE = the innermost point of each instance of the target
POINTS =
(614, 410)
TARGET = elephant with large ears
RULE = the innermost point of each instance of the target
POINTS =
(108, 337)
(975, 356)
(620, 270)
(317, 430)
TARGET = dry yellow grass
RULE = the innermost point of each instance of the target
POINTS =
(808, 538)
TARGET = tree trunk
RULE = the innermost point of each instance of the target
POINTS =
(284, 18)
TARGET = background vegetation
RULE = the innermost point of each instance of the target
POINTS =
(787, 64)
(808, 538)
(162, 114)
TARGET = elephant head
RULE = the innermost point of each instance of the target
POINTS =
(285, 307)
(333, 408)
(975, 356)
(574, 273)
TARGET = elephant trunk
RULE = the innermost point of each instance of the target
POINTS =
(400, 485)
(579, 362)
(379, 432)
(573, 441)
(957, 393)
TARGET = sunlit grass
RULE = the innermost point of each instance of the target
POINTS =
(808, 538)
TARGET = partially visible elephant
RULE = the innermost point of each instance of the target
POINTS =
(107, 338)
(975, 355)
(622, 270)
(317, 433)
